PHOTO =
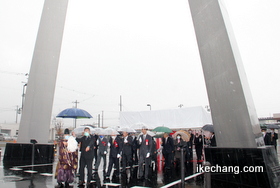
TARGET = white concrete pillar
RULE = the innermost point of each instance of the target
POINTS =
(232, 108)
(36, 116)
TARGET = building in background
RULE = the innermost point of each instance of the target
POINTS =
(11, 129)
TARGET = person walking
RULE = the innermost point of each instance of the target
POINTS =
(126, 152)
(178, 144)
(213, 142)
(145, 142)
(87, 154)
(95, 148)
(115, 154)
(135, 148)
(102, 144)
(274, 137)
(189, 154)
(167, 150)
(198, 143)
(266, 137)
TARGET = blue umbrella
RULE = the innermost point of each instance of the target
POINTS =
(75, 113)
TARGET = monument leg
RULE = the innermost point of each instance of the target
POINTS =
(36, 115)
(235, 121)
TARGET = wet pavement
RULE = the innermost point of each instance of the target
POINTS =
(22, 177)
(44, 177)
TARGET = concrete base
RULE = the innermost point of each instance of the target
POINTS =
(256, 158)
(19, 154)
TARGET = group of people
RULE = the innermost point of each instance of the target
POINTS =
(125, 149)
(270, 137)
(172, 148)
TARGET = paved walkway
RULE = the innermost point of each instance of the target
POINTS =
(44, 178)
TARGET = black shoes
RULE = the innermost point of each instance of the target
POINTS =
(60, 185)
(81, 183)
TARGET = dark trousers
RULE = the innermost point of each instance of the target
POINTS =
(85, 162)
(95, 155)
(99, 157)
(198, 151)
(191, 152)
(135, 156)
(113, 161)
(168, 158)
(142, 160)
(126, 161)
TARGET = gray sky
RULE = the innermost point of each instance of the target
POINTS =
(144, 51)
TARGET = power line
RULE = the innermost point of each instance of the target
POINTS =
(88, 98)
(75, 91)
(14, 73)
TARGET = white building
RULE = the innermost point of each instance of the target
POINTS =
(12, 130)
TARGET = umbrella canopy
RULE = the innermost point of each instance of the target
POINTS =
(139, 125)
(184, 135)
(208, 127)
(159, 135)
(162, 129)
(109, 131)
(97, 130)
(152, 134)
(127, 129)
(80, 130)
(75, 113)
(272, 126)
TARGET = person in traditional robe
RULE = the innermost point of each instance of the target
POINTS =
(67, 160)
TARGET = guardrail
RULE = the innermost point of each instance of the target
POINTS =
(207, 178)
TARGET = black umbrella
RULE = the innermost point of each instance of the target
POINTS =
(208, 127)
(272, 126)
(75, 113)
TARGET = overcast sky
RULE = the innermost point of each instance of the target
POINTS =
(144, 51)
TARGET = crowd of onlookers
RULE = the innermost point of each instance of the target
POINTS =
(270, 137)
(124, 151)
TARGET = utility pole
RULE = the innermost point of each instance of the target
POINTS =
(76, 103)
(98, 120)
(17, 113)
(120, 103)
(150, 106)
(102, 119)
(23, 95)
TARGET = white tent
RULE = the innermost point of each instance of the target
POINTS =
(192, 117)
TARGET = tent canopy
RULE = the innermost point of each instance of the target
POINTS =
(182, 118)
